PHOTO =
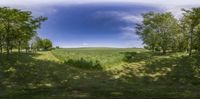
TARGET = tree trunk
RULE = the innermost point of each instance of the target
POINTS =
(164, 51)
(11, 49)
(153, 49)
(19, 50)
(19, 47)
(26, 50)
(191, 40)
(7, 38)
(7, 47)
(1, 49)
(7, 51)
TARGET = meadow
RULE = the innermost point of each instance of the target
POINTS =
(105, 57)
(121, 74)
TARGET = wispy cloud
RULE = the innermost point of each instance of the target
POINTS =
(46, 7)
(127, 32)
(149, 2)
(121, 15)
(37, 6)
(132, 18)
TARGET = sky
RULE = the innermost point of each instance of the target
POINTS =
(95, 23)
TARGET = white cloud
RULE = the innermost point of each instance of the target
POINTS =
(38, 5)
(132, 39)
(150, 2)
(123, 15)
(177, 10)
(132, 18)
(129, 33)
(43, 7)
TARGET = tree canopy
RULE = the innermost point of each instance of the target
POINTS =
(17, 27)
(162, 31)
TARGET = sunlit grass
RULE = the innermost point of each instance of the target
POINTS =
(108, 57)
(42, 75)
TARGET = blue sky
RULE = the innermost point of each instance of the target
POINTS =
(95, 23)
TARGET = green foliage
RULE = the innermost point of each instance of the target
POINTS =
(129, 56)
(158, 30)
(17, 27)
(57, 47)
(46, 44)
(101, 72)
(84, 64)
(191, 22)
(161, 31)
(38, 44)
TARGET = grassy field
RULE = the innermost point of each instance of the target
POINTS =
(106, 57)
(125, 74)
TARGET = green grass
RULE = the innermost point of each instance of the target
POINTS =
(106, 57)
(137, 74)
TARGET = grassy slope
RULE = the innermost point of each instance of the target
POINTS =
(43, 76)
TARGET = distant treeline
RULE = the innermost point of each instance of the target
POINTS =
(163, 32)
(18, 29)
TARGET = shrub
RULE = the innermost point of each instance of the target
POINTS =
(129, 56)
(84, 64)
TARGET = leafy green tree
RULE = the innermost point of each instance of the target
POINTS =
(191, 18)
(17, 27)
(197, 38)
(47, 44)
(158, 30)
(1, 38)
(36, 43)
(57, 47)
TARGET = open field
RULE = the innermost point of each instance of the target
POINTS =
(106, 57)
(125, 74)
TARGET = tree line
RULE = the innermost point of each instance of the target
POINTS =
(18, 28)
(163, 32)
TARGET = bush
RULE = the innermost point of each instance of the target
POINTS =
(129, 56)
(57, 47)
(84, 64)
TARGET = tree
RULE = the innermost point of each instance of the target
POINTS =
(17, 27)
(38, 43)
(158, 30)
(197, 38)
(1, 38)
(47, 44)
(191, 19)
(57, 47)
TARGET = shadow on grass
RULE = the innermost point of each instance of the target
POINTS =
(23, 77)
(166, 77)
(142, 56)
(182, 70)
(21, 74)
